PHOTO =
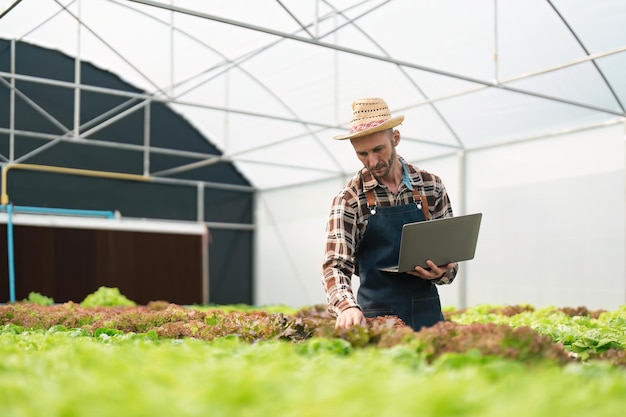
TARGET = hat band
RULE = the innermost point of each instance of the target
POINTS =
(366, 126)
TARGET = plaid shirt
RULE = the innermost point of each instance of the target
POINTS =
(348, 220)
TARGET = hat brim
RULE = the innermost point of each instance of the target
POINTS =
(383, 126)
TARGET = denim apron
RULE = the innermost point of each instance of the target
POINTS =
(412, 299)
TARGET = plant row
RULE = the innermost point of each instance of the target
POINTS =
(520, 333)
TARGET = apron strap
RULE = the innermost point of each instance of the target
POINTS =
(422, 198)
(371, 202)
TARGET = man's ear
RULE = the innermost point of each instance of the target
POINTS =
(395, 137)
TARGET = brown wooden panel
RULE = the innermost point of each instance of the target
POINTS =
(68, 264)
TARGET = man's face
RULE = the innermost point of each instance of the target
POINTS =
(377, 152)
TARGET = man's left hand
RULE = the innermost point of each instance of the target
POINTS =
(433, 272)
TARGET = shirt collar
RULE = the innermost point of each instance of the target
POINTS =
(405, 176)
(369, 181)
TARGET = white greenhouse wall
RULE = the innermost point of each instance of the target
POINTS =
(553, 224)
(553, 231)
(289, 244)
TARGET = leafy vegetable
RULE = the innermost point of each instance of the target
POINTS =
(106, 296)
(63, 374)
(37, 298)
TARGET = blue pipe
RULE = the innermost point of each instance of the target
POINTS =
(10, 254)
(50, 210)
(10, 209)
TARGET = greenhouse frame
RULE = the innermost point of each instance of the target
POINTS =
(223, 113)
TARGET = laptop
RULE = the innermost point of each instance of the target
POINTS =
(451, 239)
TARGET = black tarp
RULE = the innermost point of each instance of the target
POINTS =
(230, 250)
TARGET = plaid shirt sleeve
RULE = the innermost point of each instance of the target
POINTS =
(339, 263)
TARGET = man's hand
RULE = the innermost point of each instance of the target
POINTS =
(352, 316)
(434, 272)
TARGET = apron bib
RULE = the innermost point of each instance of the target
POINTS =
(414, 300)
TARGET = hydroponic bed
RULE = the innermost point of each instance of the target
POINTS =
(101, 358)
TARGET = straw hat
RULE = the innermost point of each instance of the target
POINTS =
(370, 115)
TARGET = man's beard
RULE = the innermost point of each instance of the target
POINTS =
(387, 166)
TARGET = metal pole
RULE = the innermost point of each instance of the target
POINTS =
(463, 210)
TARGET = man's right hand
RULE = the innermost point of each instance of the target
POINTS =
(349, 317)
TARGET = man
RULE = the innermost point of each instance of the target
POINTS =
(365, 225)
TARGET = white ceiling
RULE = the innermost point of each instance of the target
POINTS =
(271, 81)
